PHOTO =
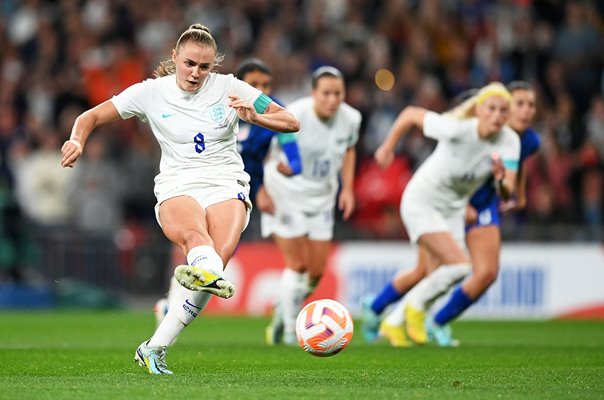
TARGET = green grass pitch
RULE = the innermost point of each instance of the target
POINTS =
(88, 355)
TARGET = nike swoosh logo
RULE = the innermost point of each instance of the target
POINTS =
(167, 115)
(192, 305)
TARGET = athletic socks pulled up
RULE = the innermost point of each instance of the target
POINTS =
(456, 305)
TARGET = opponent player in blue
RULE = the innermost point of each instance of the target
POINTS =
(482, 238)
(254, 141)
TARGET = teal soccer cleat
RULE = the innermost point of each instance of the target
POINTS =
(371, 320)
(442, 335)
(153, 358)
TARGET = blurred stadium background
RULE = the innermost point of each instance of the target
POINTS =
(88, 237)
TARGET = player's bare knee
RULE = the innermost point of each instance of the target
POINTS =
(487, 276)
(297, 262)
(192, 238)
(491, 275)
(298, 266)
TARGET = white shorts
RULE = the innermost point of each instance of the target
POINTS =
(292, 223)
(207, 195)
(420, 217)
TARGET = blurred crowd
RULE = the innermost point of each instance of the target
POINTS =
(60, 57)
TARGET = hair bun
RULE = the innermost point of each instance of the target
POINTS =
(200, 27)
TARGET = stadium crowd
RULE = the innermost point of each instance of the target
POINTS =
(60, 57)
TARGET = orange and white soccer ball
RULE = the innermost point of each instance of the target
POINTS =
(324, 328)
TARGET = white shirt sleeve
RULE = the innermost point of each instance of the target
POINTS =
(243, 90)
(133, 101)
(440, 127)
(356, 127)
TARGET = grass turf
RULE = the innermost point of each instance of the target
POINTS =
(75, 355)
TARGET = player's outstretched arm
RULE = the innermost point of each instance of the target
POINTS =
(84, 124)
(410, 116)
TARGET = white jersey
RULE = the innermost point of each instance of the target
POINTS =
(196, 131)
(322, 146)
(460, 163)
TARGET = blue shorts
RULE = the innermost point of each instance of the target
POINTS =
(487, 215)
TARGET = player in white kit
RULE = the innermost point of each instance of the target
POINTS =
(469, 149)
(302, 224)
(201, 189)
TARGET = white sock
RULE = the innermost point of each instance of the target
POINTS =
(293, 291)
(205, 257)
(184, 306)
(188, 304)
(168, 330)
(396, 314)
(436, 284)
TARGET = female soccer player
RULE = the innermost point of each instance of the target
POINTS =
(302, 224)
(201, 190)
(469, 149)
(483, 235)
(253, 143)
(483, 240)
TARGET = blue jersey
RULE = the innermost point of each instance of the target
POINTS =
(253, 144)
(485, 199)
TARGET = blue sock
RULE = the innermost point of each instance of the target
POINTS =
(387, 296)
(457, 304)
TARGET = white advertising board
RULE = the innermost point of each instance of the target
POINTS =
(535, 280)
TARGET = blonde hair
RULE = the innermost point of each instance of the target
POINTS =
(467, 109)
(197, 33)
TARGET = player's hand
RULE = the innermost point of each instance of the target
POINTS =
(384, 156)
(264, 201)
(497, 167)
(71, 150)
(346, 203)
(471, 215)
(284, 169)
(509, 206)
(245, 110)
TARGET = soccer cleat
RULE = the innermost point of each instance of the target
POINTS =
(371, 320)
(160, 310)
(153, 358)
(274, 332)
(441, 334)
(198, 279)
(415, 325)
(290, 338)
(394, 334)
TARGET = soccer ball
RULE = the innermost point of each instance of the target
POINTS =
(324, 328)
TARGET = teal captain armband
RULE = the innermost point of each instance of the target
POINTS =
(284, 138)
(261, 103)
(512, 165)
